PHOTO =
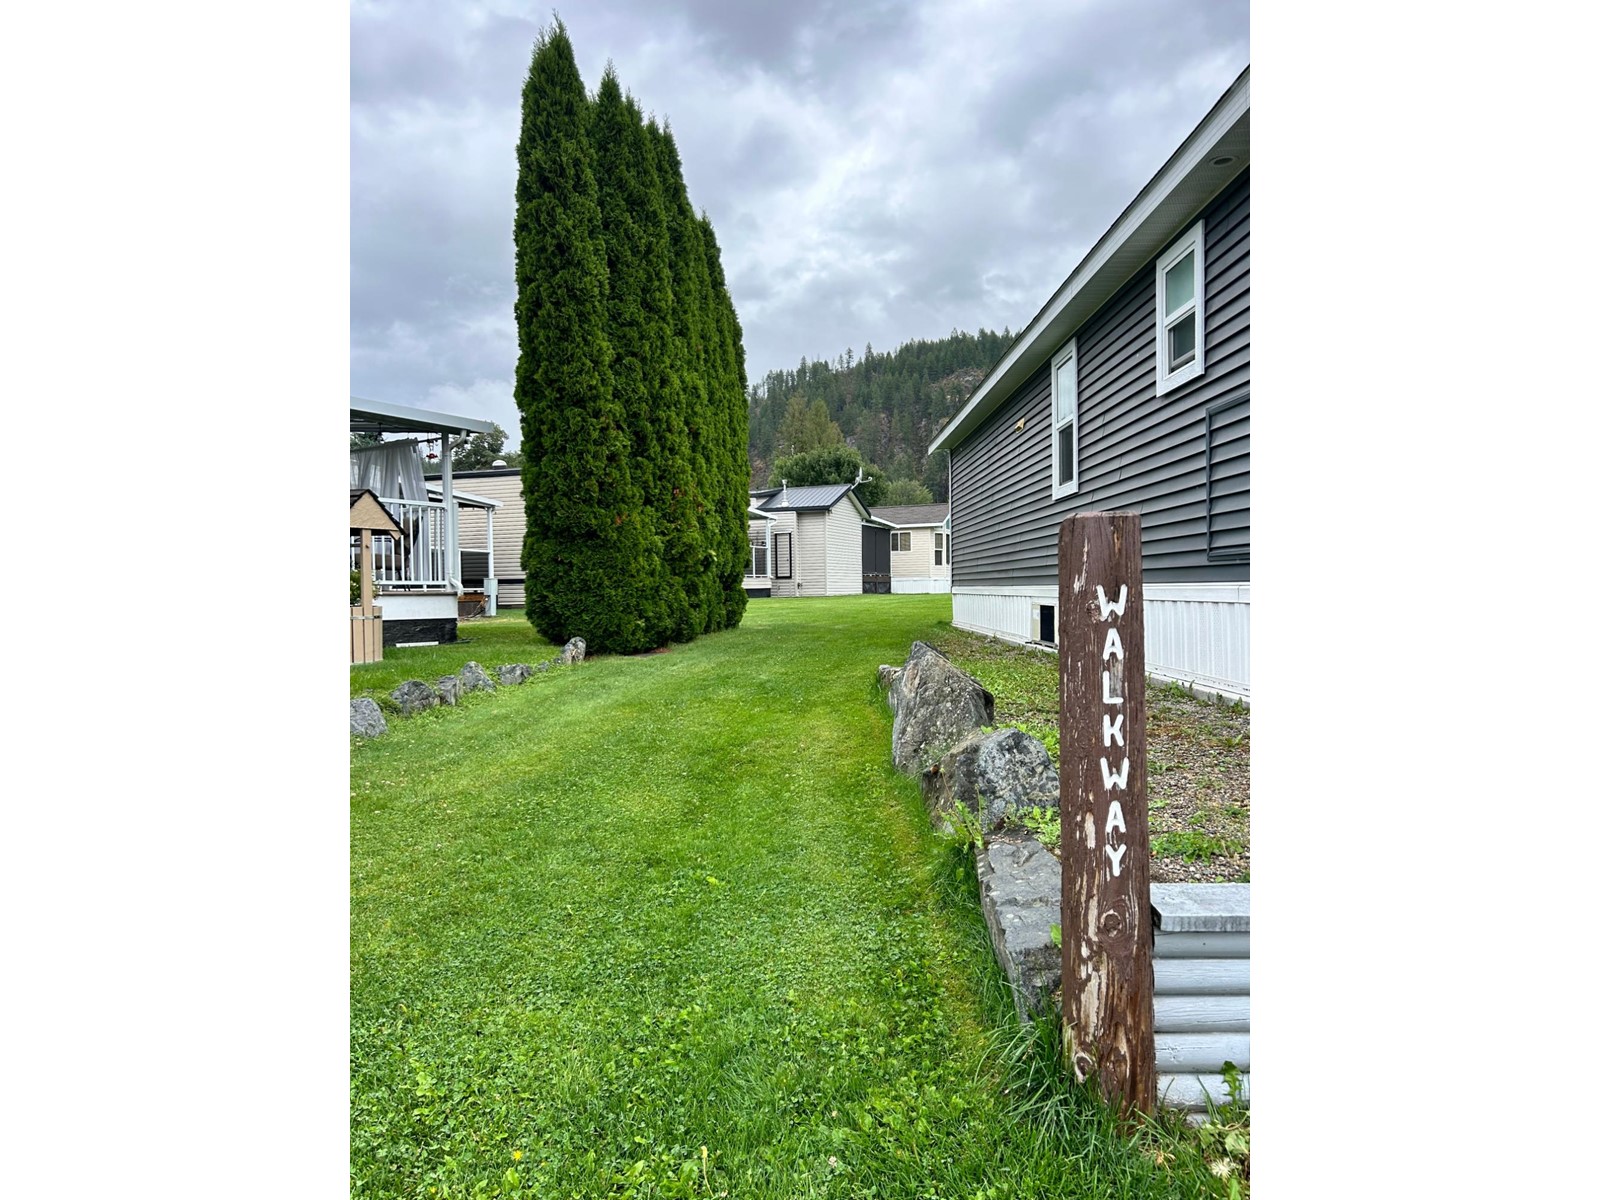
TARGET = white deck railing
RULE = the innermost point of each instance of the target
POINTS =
(416, 561)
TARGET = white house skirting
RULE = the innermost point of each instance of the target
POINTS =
(918, 587)
(1194, 632)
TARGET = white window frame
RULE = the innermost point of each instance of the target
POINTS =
(1063, 409)
(1166, 378)
(938, 548)
(900, 541)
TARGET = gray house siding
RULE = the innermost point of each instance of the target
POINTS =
(1181, 460)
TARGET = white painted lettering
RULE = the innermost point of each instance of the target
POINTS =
(1114, 817)
(1107, 609)
(1116, 853)
(1113, 644)
(1113, 729)
(1105, 689)
(1120, 779)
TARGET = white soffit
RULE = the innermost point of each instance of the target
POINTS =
(1162, 209)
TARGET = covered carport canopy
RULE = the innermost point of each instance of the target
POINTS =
(375, 416)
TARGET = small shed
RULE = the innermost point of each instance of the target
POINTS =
(367, 517)
(816, 538)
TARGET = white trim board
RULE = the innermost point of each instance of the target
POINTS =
(1212, 593)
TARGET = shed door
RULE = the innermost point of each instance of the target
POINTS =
(874, 559)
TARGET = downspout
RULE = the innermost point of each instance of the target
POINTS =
(491, 582)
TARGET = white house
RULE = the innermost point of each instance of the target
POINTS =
(919, 546)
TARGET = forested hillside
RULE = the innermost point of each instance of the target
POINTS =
(888, 407)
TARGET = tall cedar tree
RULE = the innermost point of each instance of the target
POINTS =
(731, 420)
(636, 328)
(691, 286)
(677, 501)
(586, 553)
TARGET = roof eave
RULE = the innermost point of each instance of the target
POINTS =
(1111, 263)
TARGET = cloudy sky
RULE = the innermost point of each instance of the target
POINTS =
(875, 172)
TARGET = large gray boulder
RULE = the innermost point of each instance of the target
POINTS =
(1019, 888)
(366, 718)
(573, 651)
(413, 696)
(475, 679)
(513, 673)
(992, 775)
(935, 705)
(449, 688)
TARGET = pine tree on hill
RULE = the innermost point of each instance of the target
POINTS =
(585, 552)
(887, 406)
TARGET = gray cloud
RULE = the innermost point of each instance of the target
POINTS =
(875, 172)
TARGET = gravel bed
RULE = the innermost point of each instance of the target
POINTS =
(1198, 756)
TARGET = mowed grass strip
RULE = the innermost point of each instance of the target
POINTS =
(647, 905)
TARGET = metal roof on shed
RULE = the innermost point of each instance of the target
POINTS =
(802, 499)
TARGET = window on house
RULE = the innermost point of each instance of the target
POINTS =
(900, 540)
(938, 549)
(757, 566)
(1064, 421)
(1181, 311)
(783, 556)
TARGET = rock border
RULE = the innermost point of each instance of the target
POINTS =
(415, 695)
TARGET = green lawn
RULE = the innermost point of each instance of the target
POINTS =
(648, 905)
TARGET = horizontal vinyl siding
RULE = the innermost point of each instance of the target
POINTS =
(844, 550)
(917, 562)
(811, 553)
(510, 521)
(1137, 450)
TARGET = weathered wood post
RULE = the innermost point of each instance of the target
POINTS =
(1107, 980)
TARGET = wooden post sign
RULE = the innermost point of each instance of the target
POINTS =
(1107, 980)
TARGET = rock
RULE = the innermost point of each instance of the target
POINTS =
(413, 696)
(366, 718)
(513, 673)
(886, 676)
(572, 652)
(545, 666)
(992, 775)
(935, 705)
(449, 687)
(1019, 887)
(475, 679)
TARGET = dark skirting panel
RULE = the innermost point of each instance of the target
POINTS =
(437, 629)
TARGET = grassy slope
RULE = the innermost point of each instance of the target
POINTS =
(655, 903)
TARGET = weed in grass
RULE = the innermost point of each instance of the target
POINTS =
(966, 826)
(1043, 823)
(1192, 846)
(1221, 1143)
